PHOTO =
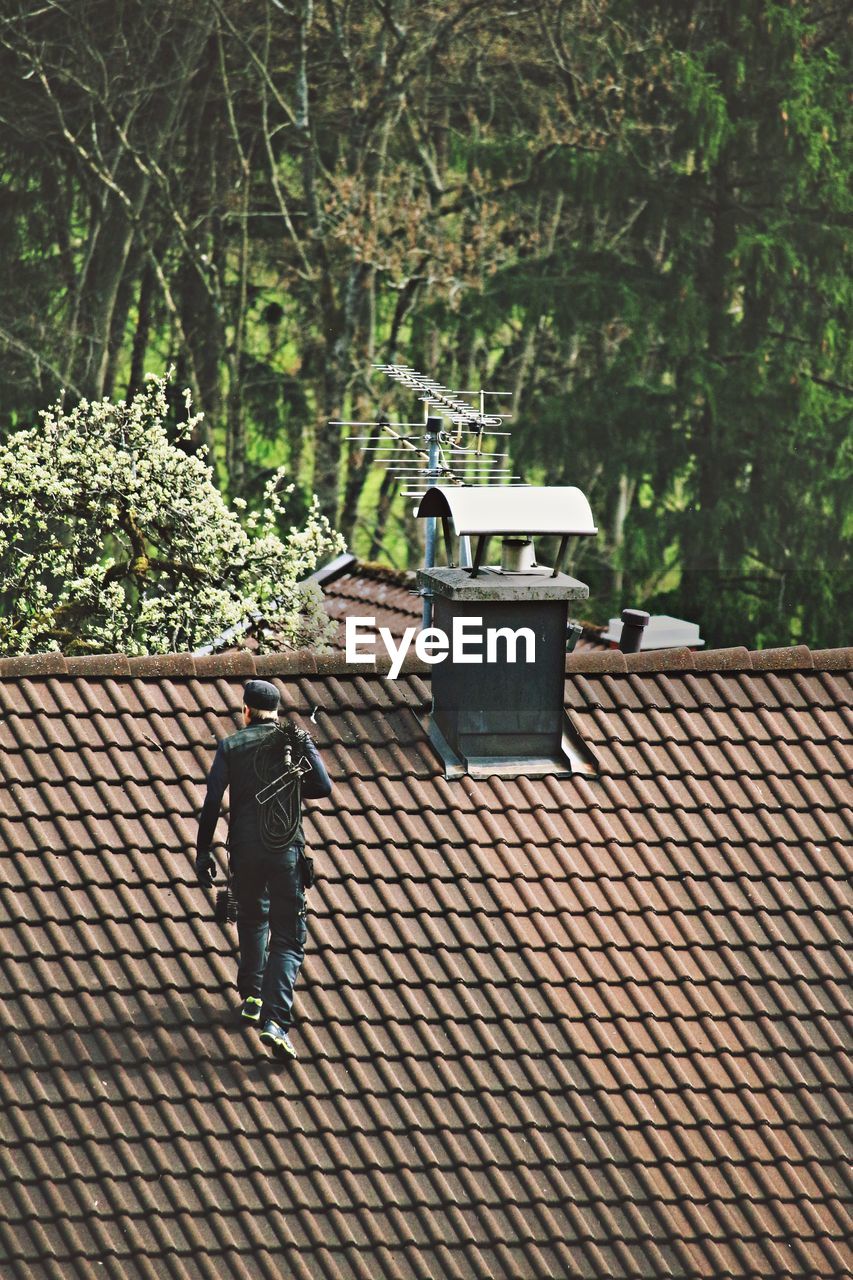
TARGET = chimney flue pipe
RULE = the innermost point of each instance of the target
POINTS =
(634, 623)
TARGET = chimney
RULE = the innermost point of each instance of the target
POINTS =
(498, 696)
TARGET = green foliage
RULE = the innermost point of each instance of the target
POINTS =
(635, 217)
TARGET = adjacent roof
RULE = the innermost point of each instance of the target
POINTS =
(361, 588)
(660, 632)
(356, 588)
(574, 1028)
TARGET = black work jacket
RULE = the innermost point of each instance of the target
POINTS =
(233, 767)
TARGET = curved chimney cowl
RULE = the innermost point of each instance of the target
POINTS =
(498, 706)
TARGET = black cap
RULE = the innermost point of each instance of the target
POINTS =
(261, 695)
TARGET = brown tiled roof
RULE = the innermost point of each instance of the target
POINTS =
(548, 1028)
(350, 587)
(391, 597)
(359, 588)
(376, 589)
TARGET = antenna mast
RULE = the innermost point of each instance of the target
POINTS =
(438, 454)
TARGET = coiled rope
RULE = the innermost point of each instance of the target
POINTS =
(279, 763)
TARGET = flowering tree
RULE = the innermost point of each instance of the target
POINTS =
(114, 539)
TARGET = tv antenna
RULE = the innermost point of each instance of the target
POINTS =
(457, 443)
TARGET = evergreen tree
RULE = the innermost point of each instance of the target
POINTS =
(683, 332)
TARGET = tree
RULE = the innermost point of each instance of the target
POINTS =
(114, 539)
(635, 217)
(763, 373)
(678, 342)
(250, 191)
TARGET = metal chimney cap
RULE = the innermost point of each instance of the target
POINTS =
(635, 617)
(510, 509)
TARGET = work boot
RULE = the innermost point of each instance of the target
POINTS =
(278, 1039)
(251, 1010)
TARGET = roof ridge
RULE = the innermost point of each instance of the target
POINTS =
(791, 658)
(305, 662)
(382, 572)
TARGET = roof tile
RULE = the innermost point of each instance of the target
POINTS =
(660, 660)
(165, 666)
(269, 665)
(549, 1026)
(35, 664)
(609, 660)
(100, 664)
(832, 659)
(799, 656)
(735, 659)
(225, 664)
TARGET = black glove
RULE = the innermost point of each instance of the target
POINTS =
(205, 869)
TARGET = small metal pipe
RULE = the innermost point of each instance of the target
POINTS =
(448, 540)
(561, 555)
(574, 631)
(634, 623)
(433, 427)
(482, 543)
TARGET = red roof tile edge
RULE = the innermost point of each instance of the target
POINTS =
(302, 662)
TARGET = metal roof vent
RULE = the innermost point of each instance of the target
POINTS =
(660, 632)
(498, 686)
(518, 555)
(511, 512)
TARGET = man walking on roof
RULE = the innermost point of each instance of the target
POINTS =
(270, 766)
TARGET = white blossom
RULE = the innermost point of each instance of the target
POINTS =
(113, 539)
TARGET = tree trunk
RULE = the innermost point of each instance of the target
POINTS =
(199, 278)
(141, 333)
(125, 193)
(705, 527)
(235, 446)
(100, 294)
(625, 491)
(387, 492)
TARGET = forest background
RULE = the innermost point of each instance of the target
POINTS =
(633, 216)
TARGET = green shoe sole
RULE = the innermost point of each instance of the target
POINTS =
(281, 1048)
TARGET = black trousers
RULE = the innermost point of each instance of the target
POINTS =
(271, 926)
